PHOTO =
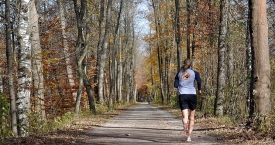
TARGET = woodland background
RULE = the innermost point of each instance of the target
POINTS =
(63, 57)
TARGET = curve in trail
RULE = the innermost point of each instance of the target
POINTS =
(144, 124)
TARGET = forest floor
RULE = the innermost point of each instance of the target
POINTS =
(142, 124)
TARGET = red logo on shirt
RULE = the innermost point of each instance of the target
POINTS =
(185, 76)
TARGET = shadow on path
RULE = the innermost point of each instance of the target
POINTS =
(145, 124)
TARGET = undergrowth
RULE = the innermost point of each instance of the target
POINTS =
(37, 126)
(5, 117)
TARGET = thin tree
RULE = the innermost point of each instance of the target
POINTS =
(9, 53)
(82, 49)
(69, 69)
(102, 54)
(177, 33)
(132, 67)
(119, 72)
(155, 5)
(218, 110)
(79, 12)
(249, 60)
(113, 58)
(188, 7)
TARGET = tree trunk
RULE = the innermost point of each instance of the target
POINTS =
(195, 8)
(135, 94)
(66, 47)
(24, 69)
(9, 52)
(119, 73)
(132, 66)
(38, 79)
(100, 21)
(249, 91)
(261, 62)
(89, 93)
(79, 92)
(167, 66)
(230, 69)
(221, 59)
(99, 45)
(80, 12)
(177, 34)
(83, 79)
(188, 7)
(103, 54)
(2, 83)
(112, 82)
(156, 11)
(113, 59)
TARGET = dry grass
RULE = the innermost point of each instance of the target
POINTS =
(69, 133)
(224, 130)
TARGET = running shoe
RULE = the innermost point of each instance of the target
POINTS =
(189, 139)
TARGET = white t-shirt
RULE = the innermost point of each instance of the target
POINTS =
(187, 82)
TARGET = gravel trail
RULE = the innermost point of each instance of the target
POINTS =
(145, 124)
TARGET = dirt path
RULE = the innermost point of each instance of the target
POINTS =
(144, 124)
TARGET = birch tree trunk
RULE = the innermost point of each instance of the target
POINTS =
(38, 80)
(221, 59)
(9, 52)
(260, 61)
(24, 69)
(66, 47)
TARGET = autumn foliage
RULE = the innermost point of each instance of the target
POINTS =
(130, 69)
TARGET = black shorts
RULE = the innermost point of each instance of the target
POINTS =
(188, 101)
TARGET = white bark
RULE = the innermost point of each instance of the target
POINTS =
(220, 96)
(24, 69)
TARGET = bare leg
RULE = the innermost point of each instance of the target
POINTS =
(184, 114)
(191, 121)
